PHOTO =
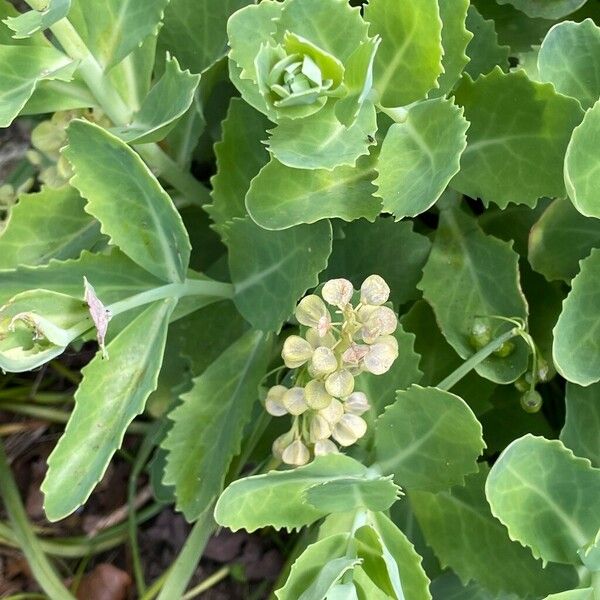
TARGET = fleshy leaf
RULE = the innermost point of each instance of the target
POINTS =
(549, 9)
(33, 21)
(547, 498)
(471, 276)
(111, 394)
(208, 425)
(582, 176)
(320, 141)
(240, 156)
(45, 225)
(271, 270)
(21, 69)
(486, 554)
(281, 197)
(570, 59)
(167, 101)
(455, 40)
(419, 156)
(428, 439)
(115, 181)
(582, 423)
(560, 239)
(576, 352)
(484, 49)
(518, 159)
(409, 60)
(255, 502)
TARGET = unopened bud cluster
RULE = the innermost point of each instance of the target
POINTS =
(331, 353)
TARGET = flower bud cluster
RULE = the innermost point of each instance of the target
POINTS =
(328, 357)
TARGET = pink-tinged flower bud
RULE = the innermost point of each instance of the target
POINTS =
(281, 443)
(323, 362)
(312, 312)
(323, 447)
(381, 356)
(374, 290)
(338, 292)
(296, 351)
(349, 429)
(377, 321)
(340, 383)
(316, 395)
(274, 401)
(334, 412)
(356, 403)
(320, 429)
(294, 401)
(296, 454)
(315, 340)
(354, 354)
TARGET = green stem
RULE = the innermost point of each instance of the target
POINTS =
(477, 358)
(189, 557)
(207, 583)
(37, 561)
(596, 585)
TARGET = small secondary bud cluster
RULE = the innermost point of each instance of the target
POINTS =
(328, 356)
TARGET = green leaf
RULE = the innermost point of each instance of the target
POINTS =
(167, 101)
(399, 261)
(317, 569)
(560, 239)
(518, 159)
(582, 177)
(580, 431)
(255, 502)
(33, 21)
(54, 96)
(45, 225)
(21, 69)
(409, 60)
(111, 394)
(320, 141)
(576, 353)
(429, 439)
(207, 427)
(345, 495)
(484, 50)
(240, 156)
(471, 276)
(280, 197)
(485, 554)
(115, 28)
(115, 181)
(580, 594)
(547, 498)
(113, 275)
(381, 390)
(195, 31)
(569, 59)
(455, 40)
(271, 270)
(419, 156)
(550, 9)
(7, 11)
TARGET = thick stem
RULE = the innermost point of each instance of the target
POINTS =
(477, 358)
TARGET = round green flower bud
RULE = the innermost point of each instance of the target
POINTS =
(281, 443)
(312, 312)
(323, 362)
(320, 429)
(505, 350)
(531, 401)
(274, 401)
(323, 447)
(377, 321)
(381, 355)
(349, 429)
(481, 334)
(296, 454)
(294, 401)
(316, 395)
(334, 412)
(356, 403)
(315, 340)
(543, 370)
(374, 291)
(296, 351)
(338, 292)
(340, 383)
